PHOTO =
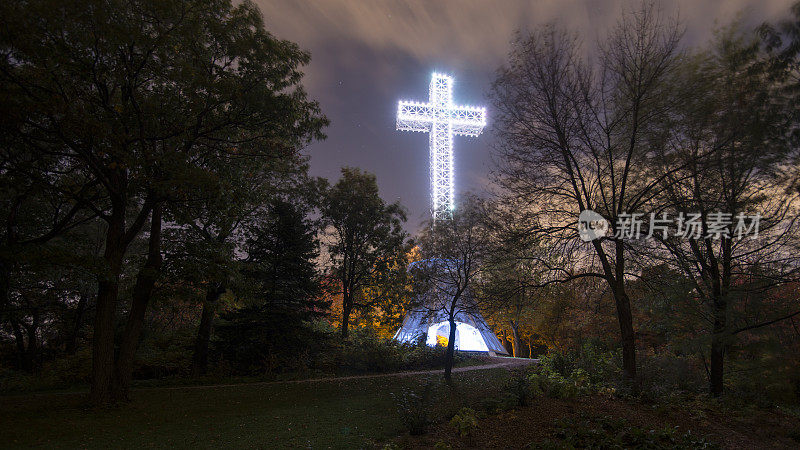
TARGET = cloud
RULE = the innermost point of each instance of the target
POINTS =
(476, 30)
(366, 54)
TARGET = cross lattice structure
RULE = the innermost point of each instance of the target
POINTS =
(441, 119)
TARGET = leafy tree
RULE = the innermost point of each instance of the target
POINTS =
(511, 297)
(215, 224)
(511, 286)
(365, 238)
(781, 43)
(46, 244)
(133, 97)
(391, 296)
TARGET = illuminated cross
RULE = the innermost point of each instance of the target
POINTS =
(442, 120)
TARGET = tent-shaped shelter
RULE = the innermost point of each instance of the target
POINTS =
(429, 323)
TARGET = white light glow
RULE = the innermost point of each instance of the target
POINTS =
(442, 120)
(468, 338)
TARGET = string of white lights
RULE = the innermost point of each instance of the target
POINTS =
(442, 120)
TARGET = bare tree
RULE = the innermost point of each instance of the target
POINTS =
(511, 284)
(728, 136)
(574, 137)
(453, 250)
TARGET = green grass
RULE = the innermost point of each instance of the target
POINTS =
(327, 414)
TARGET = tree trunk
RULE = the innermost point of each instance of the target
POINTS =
(19, 340)
(718, 347)
(200, 356)
(80, 310)
(451, 347)
(5, 287)
(347, 307)
(624, 316)
(107, 292)
(515, 336)
(31, 358)
(615, 276)
(27, 350)
(625, 319)
(142, 291)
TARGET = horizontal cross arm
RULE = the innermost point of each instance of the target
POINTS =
(468, 120)
(413, 116)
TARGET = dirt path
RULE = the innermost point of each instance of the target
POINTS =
(509, 363)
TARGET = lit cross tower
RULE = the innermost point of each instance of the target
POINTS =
(442, 120)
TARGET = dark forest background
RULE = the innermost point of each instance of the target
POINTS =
(159, 223)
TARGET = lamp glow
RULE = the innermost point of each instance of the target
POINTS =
(442, 120)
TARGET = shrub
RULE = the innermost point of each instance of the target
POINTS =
(365, 352)
(442, 445)
(520, 387)
(492, 405)
(766, 382)
(260, 339)
(663, 376)
(63, 372)
(414, 407)
(594, 365)
(608, 432)
(465, 422)
(164, 354)
(556, 386)
(569, 374)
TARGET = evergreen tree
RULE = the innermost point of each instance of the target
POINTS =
(281, 260)
(282, 289)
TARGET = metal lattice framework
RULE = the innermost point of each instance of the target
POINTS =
(442, 120)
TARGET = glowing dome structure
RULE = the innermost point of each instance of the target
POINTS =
(430, 325)
(442, 120)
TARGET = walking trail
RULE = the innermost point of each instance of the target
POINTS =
(509, 363)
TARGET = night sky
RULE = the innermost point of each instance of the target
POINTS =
(368, 54)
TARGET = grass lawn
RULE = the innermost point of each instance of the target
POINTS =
(325, 414)
(362, 413)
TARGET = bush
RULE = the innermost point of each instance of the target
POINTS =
(163, 355)
(766, 382)
(365, 352)
(553, 385)
(567, 375)
(593, 364)
(465, 422)
(520, 388)
(63, 372)
(608, 432)
(414, 407)
(260, 339)
(669, 376)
